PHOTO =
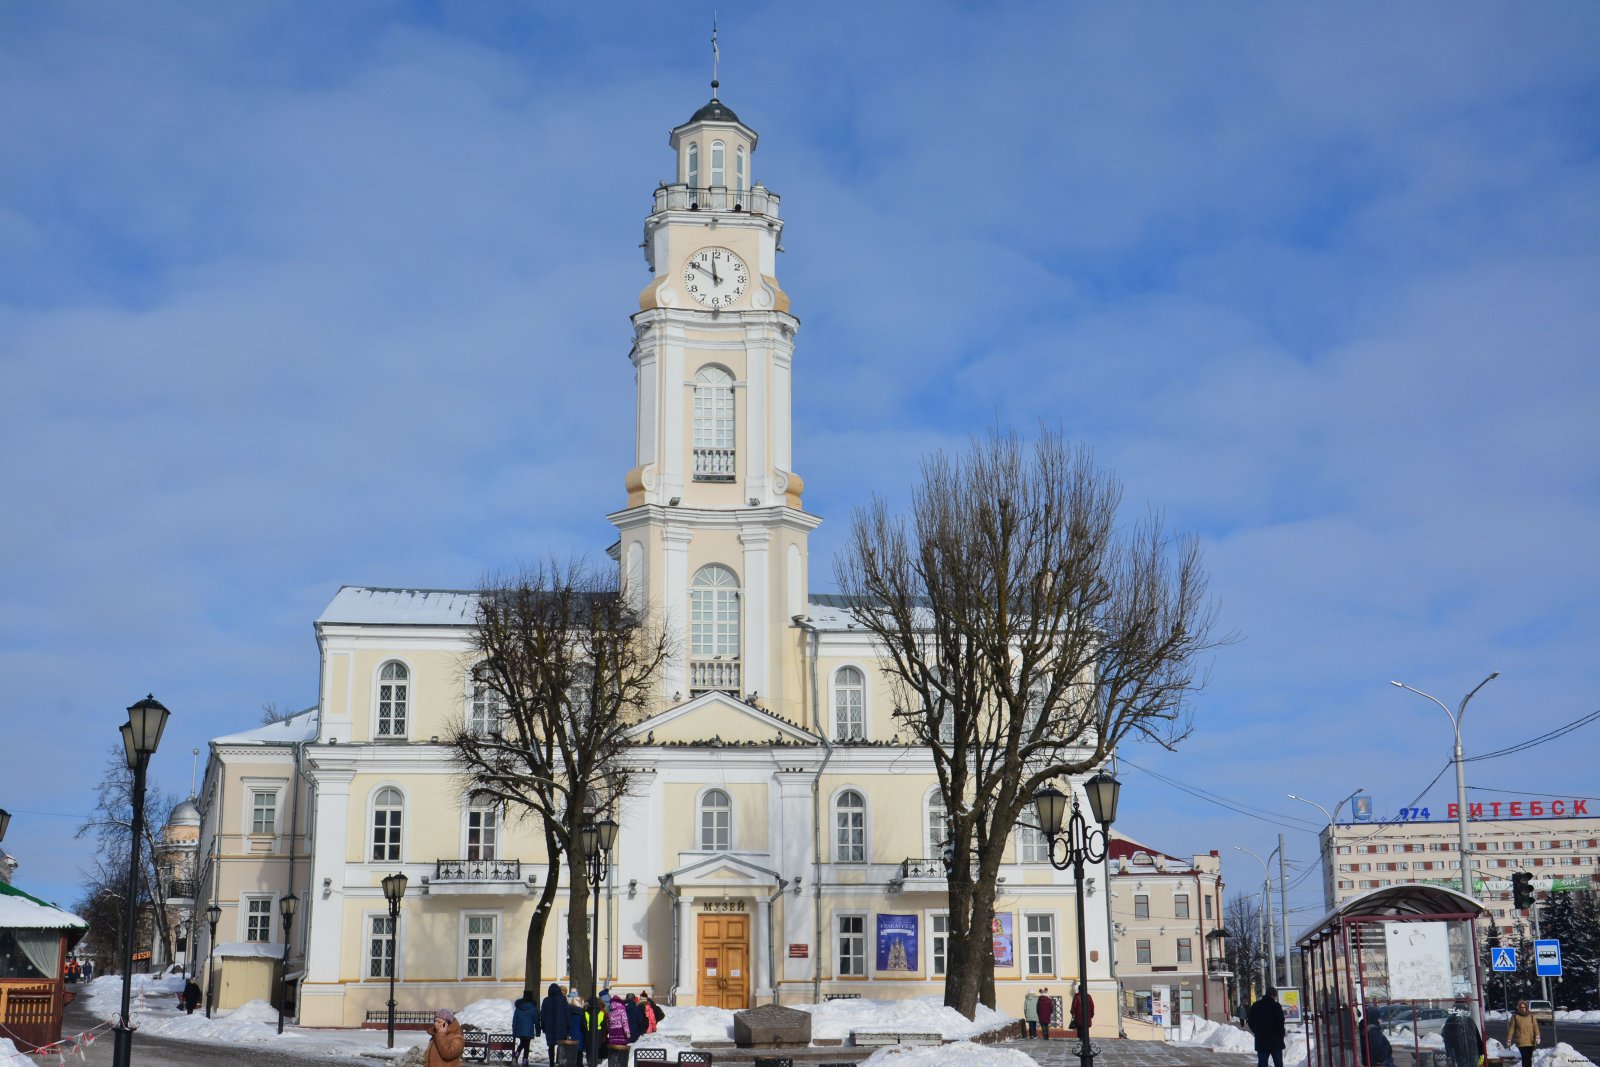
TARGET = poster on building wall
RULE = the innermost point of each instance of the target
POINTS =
(1002, 939)
(897, 943)
(1290, 999)
(1419, 960)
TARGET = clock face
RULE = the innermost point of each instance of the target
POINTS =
(716, 277)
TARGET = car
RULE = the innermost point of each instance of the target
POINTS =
(1420, 1021)
(1542, 1010)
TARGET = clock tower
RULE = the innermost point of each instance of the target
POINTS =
(713, 537)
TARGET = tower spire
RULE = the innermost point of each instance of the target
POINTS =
(714, 56)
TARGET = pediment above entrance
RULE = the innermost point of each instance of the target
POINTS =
(715, 719)
(723, 871)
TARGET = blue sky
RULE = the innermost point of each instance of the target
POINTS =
(294, 295)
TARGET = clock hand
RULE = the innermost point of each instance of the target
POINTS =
(701, 269)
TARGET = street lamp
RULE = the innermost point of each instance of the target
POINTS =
(1266, 911)
(286, 905)
(213, 916)
(1322, 856)
(596, 839)
(1079, 845)
(394, 887)
(1461, 774)
(140, 736)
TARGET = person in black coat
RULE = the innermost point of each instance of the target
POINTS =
(191, 996)
(636, 1021)
(1375, 1047)
(1266, 1022)
(524, 1026)
(555, 1019)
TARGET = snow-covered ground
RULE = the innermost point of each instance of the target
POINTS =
(961, 1054)
(1225, 1038)
(1561, 1016)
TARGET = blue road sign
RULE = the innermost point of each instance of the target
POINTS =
(1547, 958)
(1505, 959)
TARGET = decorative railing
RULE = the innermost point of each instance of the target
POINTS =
(922, 867)
(1217, 966)
(477, 870)
(180, 889)
(713, 464)
(708, 675)
(755, 201)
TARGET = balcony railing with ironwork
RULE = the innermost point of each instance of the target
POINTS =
(922, 867)
(180, 889)
(477, 870)
(713, 675)
(713, 464)
(1218, 967)
(758, 200)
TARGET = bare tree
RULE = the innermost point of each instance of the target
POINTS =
(1026, 635)
(561, 666)
(111, 826)
(1247, 948)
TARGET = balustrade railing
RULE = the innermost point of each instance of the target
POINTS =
(477, 870)
(713, 464)
(707, 675)
(758, 200)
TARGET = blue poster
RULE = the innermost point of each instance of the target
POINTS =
(1002, 939)
(897, 943)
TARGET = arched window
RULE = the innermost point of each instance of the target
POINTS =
(719, 164)
(388, 813)
(738, 169)
(483, 830)
(394, 688)
(716, 821)
(484, 706)
(713, 425)
(714, 630)
(938, 827)
(694, 165)
(850, 828)
(849, 705)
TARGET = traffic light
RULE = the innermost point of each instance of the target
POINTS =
(1522, 890)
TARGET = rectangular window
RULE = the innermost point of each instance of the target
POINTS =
(1141, 906)
(480, 946)
(1186, 1001)
(263, 811)
(1180, 906)
(1141, 951)
(483, 827)
(852, 833)
(258, 919)
(1185, 950)
(1032, 846)
(1208, 907)
(380, 947)
(1041, 944)
(852, 946)
(939, 934)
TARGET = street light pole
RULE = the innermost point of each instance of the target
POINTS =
(286, 905)
(1461, 774)
(596, 839)
(1323, 857)
(1266, 907)
(140, 736)
(394, 888)
(1079, 845)
(213, 916)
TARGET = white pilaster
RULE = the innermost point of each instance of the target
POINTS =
(674, 442)
(762, 935)
(331, 776)
(757, 542)
(675, 542)
(758, 476)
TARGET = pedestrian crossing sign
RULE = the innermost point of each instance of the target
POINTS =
(1505, 959)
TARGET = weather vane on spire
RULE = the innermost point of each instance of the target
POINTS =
(714, 55)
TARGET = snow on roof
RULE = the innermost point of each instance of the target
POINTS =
(358, 604)
(301, 727)
(23, 911)
(241, 949)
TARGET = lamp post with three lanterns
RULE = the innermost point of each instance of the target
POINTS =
(1074, 847)
(596, 839)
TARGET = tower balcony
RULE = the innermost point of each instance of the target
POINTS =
(757, 200)
(714, 675)
(714, 464)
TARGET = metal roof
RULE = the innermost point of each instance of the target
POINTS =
(1409, 900)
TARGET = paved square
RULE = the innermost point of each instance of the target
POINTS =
(1116, 1052)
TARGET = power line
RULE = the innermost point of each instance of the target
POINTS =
(1523, 746)
(1219, 800)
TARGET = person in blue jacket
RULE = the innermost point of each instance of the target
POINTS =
(524, 1026)
(555, 1019)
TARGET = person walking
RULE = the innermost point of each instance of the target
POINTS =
(524, 1026)
(191, 996)
(636, 1020)
(1047, 1011)
(555, 1020)
(1266, 1023)
(1082, 1012)
(1523, 1033)
(618, 1036)
(1030, 1013)
(445, 1041)
(652, 1012)
(1462, 1038)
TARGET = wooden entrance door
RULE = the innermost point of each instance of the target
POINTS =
(724, 962)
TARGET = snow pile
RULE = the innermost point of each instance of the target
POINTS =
(1563, 1055)
(1222, 1037)
(103, 996)
(961, 1054)
(697, 1024)
(9, 1055)
(1564, 1016)
(492, 1013)
(923, 1015)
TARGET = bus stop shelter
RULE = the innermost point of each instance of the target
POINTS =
(1403, 958)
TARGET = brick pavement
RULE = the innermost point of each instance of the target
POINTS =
(1122, 1052)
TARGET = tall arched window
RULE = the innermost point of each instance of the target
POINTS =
(394, 688)
(483, 830)
(388, 813)
(850, 828)
(938, 826)
(714, 630)
(719, 164)
(484, 706)
(738, 169)
(713, 425)
(849, 705)
(694, 165)
(716, 821)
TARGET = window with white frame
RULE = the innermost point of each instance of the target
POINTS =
(738, 169)
(719, 164)
(849, 705)
(1141, 950)
(394, 694)
(1208, 906)
(850, 828)
(714, 630)
(852, 946)
(716, 821)
(1141, 905)
(1041, 931)
(483, 831)
(485, 709)
(938, 827)
(939, 946)
(694, 165)
(1185, 950)
(380, 946)
(1186, 1001)
(263, 811)
(714, 456)
(1032, 845)
(258, 919)
(1180, 905)
(388, 813)
(479, 945)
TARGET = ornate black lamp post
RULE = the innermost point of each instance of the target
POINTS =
(394, 887)
(213, 916)
(140, 736)
(596, 839)
(1077, 846)
(286, 905)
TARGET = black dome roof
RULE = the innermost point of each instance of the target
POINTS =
(714, 111)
